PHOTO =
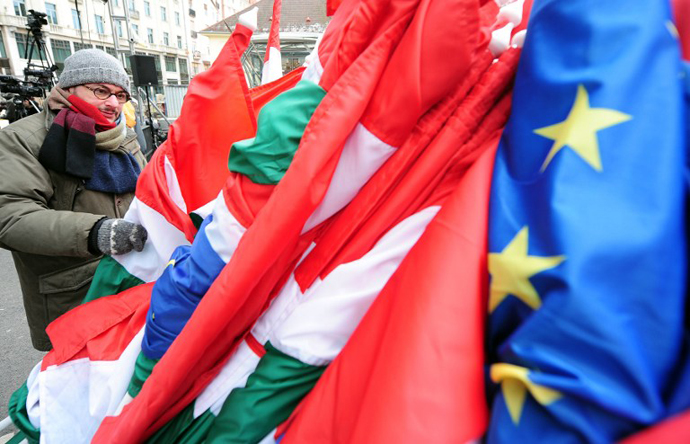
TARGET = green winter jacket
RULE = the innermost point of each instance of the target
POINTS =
(45, 218)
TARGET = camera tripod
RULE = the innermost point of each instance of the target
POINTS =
(43, 72)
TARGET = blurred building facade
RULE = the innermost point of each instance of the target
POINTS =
(301, 23)
(165, 29)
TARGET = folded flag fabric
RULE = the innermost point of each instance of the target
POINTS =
(168, 213)
(587, 330)
(185, 173)
(293, 207)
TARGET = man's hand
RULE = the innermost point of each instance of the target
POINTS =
(118, 236)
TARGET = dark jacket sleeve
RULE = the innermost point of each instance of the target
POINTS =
(26, 222)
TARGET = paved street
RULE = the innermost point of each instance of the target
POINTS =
(17, 356)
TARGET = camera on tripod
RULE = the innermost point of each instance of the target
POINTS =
(42, 75)
(36, 20)
(9, 84)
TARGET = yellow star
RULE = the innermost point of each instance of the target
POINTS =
(515, 383)
(579, 130)
(511, 269)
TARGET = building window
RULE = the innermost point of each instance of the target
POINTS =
(171, 81)
(159, 72)
(184, 71)
(135, 29)
(164, 14)
(99, 24)
(177, 18)
(179, 42)
(78, 46)
(117, 3)
(51, 11)
(19, 7)
(118, 27)
(21, 44)
(149, 32)
(111, 51)
(170, 64)
(147, 9)
(61, 50)
(76, 19)
(130, 4)
(166, 39)
(3, 53)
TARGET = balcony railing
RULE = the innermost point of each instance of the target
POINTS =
(12, 20)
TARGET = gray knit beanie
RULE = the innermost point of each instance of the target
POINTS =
(93, 66)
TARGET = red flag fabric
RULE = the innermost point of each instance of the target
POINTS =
(243, 289)
(197, 148)
(274, 32)
(675, 430)
(332, 6)
(273, 65)
(681, 11)
(417, 356)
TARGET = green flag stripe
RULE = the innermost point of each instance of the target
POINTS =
(20, 416)
(265, 158)
(249, 413)
(142, 369)
(110, 278)
(184, 428)
(272, 392)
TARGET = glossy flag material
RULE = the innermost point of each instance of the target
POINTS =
(587, 335)
(412, 371)
(186, 172)
(269, 244)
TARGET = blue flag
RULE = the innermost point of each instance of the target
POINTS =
(587, 326)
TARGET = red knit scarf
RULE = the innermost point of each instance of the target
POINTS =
(80, 106)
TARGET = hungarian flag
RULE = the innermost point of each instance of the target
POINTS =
(273, 66)
(407, 219)
(320, 304)
(218, 96)
(412, 371)
(185, 173)
(587, 333)
(354, 124)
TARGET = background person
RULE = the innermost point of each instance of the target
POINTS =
(67, 176)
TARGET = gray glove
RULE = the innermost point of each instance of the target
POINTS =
(118, 236)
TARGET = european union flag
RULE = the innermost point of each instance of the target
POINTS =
(587, 247)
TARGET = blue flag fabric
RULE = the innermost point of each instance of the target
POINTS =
(587, 337)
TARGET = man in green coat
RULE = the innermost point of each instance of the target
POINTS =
(67, 177)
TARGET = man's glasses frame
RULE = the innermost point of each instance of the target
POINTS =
(103, 93)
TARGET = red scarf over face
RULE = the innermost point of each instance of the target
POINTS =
(80, 106)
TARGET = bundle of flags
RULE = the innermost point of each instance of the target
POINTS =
(384, 261)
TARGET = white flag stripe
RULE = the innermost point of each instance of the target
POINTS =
(234, 374)
(361, 157)
(330, 310)
(174, 186)
(163, 238)
(273, 68)
(224, 231)
(313, 327)
(77, 395)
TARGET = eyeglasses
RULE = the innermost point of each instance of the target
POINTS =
(103, 93)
